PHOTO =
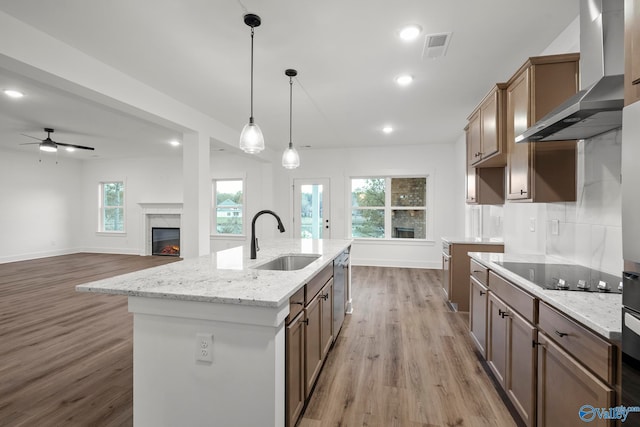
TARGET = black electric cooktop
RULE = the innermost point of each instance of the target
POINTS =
(565, 277)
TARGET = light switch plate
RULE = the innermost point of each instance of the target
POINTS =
(555, 227)
(532, 224)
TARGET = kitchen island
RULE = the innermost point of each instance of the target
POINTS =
(208, 334)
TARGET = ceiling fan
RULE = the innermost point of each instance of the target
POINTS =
(52, 146)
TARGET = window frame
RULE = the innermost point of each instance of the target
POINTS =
(102, 207)
(388, 208)
(214, 209)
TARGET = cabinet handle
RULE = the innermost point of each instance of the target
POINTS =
(561, 334)
(477, 271)
(297, 303)
(305, 321)
(522, 192)
(482, 293)
(325, 296)
(635, 82)
(500, 312)
(504, 314)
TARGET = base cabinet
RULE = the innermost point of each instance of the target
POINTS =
(309, 336)
(478, 315)
(295, 356)
(565, 386)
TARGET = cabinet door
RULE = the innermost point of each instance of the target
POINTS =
(326, 308)
(313, 343)
(489, 126)
(497, 337)
(519, 155)
(295, 376)
(565, 386)
(478, 315)
(473, 138)
(521, 366)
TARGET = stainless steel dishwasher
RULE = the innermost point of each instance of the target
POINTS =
(340, 278)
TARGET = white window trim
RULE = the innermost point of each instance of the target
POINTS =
(428, 208)
(214, 209)
(101, 231)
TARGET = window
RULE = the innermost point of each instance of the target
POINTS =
(112, 207)
(389, 208)
(228, 200)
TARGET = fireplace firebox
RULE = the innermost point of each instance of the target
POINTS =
(165, 241)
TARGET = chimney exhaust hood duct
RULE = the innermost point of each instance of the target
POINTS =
(598, 108)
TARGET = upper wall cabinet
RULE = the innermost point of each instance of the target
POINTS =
(485, 186)
(543, 171)
(631, 52)
(487, 124)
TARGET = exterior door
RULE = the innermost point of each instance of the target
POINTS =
(311, 208)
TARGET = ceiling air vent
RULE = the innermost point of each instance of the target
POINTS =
(435, 45)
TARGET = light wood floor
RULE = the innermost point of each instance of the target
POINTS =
(402, 359)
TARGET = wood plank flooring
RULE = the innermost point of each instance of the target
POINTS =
(402, 358)
(66, 356)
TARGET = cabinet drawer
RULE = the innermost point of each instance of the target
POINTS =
(296, 304)
(591, 350)
(317, 282)
(479, 271)
(513, 296)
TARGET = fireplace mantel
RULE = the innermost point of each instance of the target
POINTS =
(163, 214)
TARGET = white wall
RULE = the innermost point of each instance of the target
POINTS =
(41, 204)
(446, 179)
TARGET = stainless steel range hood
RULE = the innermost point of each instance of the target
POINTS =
(598, 108)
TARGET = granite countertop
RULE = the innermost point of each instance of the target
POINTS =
(474, 240)
(598, 311)
(226, 276)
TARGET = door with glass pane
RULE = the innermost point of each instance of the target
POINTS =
(311, 208)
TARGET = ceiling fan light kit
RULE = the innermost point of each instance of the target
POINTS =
(51, 146)
(251, 139)
(290, 157)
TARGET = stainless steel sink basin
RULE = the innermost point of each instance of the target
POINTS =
(288, 262)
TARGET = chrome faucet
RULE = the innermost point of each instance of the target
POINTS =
(254, 240)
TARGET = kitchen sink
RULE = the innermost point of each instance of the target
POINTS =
(288, 262)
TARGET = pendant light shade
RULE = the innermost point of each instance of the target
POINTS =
(290, 157)
(251, 139)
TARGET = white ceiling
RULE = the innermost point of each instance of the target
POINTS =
(347, 54)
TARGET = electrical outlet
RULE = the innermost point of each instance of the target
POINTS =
(555, 227)
(532, 224)
(204, 347)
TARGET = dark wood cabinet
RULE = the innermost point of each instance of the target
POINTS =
(484, 186)
(540, 172)
(564, 386)
(487, 130)
(326, 321)
(295, 375)
(631, 52)
(313, 343)
(521, 366)
(497, 337)
(478, 315)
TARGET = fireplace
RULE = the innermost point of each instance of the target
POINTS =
(165, 241)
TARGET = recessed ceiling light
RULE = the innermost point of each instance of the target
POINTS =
(174, 142)
(410, 32)
(13, 93)
(404, 79)
(387, 129)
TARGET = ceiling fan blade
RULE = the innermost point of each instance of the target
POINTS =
(81, 147)
(30, 143)
(29, 136)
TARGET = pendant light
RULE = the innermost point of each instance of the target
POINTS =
(251, 139)
(290, 157)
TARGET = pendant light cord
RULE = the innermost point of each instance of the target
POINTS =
(290, 111)
(251, 74)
